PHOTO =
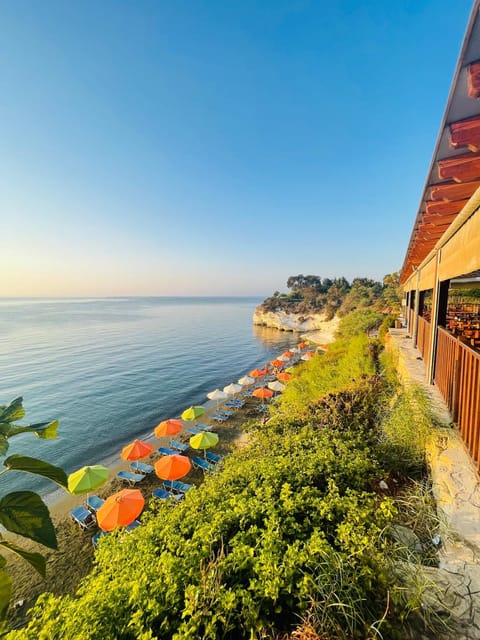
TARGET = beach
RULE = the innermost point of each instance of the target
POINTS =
(75, 555)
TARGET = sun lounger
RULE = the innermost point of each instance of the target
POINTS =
(97, 537)
(94, 503)
(223, 412)
(180, 446)
(162, 494)
(218, 417)
(214, 458)
(83, 517)
(204, 427)
(204, 465)
(141, 467)
(133, 525)
(167, 451)
(177, 486)
(130, 477)
(194, 430)
(235, 404)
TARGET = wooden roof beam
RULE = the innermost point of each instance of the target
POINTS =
(452, 191)
(445, 208)
(460, 168)
(465, 134)
(473, 80)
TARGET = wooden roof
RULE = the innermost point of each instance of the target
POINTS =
(454, 173)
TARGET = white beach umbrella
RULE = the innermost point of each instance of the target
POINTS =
(283, 358)
(232, 388)
(246, 380)
(217, 395)
(276, 386)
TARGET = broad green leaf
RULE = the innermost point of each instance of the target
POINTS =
(35, 559)
(3, 445)
(5, 592)
(5, 427)
(12, 411)
(43, 430)
(18, 462)
(25, 513)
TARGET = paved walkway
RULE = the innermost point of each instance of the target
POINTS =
(456, 488)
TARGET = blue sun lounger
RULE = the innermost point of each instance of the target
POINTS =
(218, 417)
(94, 503)
(162, 494)
(175, 444)
(97, 537)
(214, 458)
(130, 477)
(83, 517)
(133, 525)
(204, 427)
(166, 451)
(177, 486)
(204, 465)
(141, 467)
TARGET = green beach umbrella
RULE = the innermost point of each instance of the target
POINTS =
(192, 413)
(87, 478)
(204, 440)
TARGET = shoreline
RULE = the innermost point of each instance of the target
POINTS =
(74, 557)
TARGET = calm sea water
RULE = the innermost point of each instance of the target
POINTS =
(110, 369)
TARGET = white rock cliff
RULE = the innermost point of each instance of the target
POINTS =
(293, 321)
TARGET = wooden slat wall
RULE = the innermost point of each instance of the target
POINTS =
(468, 402)
(447, 353)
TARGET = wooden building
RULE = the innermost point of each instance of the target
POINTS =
(444, 250)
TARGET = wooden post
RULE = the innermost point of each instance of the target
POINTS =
(434, 322)
(416, 311)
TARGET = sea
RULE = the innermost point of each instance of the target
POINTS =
(110, 369)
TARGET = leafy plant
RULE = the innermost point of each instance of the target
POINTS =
(23, 512)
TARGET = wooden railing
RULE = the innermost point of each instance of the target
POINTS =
(457, 376)
(467, 408)
(423, 337)
(445, 365)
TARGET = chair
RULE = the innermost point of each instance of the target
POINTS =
(166, 451)
(214, 458)
(162, 494)
(83, 517)
(97, 537)
(94, 503)
(133, 525)
(141, 467)
(218, 417)
(130, 477)
(177, 486)
(175, 444)
(204, 465)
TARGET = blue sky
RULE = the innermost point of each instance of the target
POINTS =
(215, 148)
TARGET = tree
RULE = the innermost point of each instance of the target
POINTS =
(24, 512)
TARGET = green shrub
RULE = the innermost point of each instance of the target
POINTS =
(357, 322)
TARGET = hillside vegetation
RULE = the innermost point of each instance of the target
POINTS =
(312, 294)
(293, 539)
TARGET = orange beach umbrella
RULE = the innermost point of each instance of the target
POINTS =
(288, 354)
(136, 450)
(172, 467)
(277, 363)
(168, 428)
(120, 509)
(263, 393)
(302, 345)
(257, 373)
(284, 376)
